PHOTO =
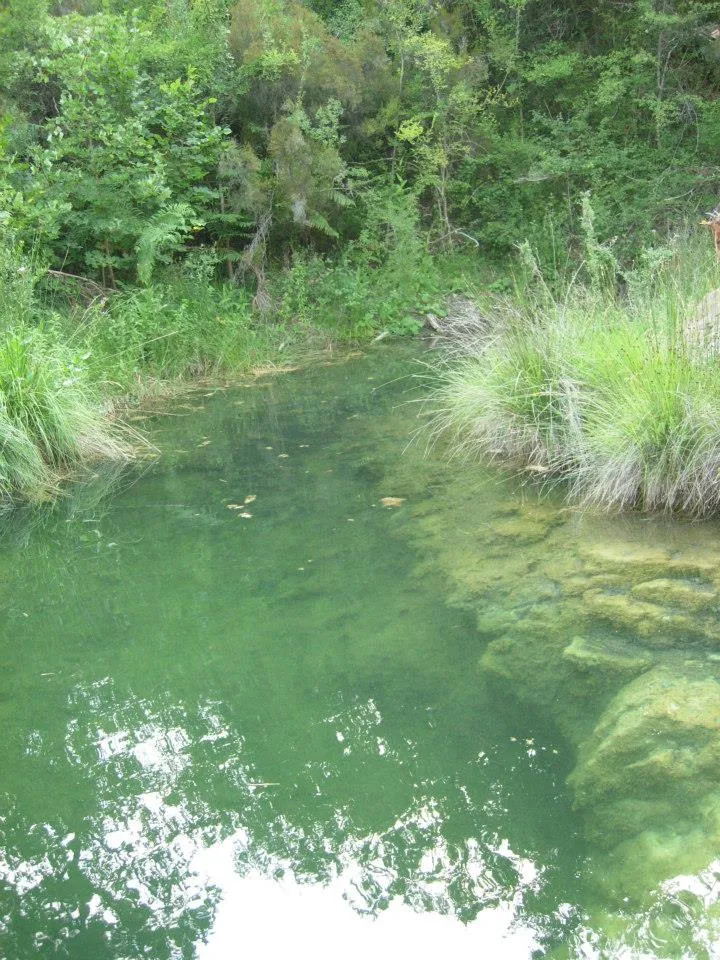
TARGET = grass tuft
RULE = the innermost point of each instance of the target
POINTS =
(50, 418)
(598, 389)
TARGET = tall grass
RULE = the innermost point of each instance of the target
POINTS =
(66, 363)
(597, 387)
(174, 330)
(50, 417)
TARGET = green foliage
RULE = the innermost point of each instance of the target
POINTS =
(251, 126)
(598, 390)
(163, 233)
(116, 170)
(384, 283)
(185, 327)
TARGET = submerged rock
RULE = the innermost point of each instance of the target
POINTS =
(677, 593)
(662, 728)
(603, 665)
(634, 560)
(521, 529)
(648, 620)
(648, 778)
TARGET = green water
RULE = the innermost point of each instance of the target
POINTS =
(343, 725)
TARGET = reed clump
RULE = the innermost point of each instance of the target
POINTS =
(595, 387)
(51, 419)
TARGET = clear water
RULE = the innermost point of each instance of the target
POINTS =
(342, 724)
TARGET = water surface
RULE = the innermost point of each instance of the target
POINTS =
(247, 706)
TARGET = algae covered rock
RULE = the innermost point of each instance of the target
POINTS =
(677, 593)
(658, 731)
(636, 560)
(608, 665)
(521, 529)
(647, 620)
(608, 627)
(570, 681)
(648, 778)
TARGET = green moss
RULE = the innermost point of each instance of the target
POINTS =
(676, 593)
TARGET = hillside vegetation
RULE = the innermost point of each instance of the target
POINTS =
(189, 186)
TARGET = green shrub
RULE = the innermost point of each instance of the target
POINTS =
(383, 282)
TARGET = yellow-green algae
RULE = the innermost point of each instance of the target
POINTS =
(611, 626)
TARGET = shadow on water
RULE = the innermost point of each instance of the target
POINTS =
(246, 703)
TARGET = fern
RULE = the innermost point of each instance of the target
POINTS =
(164, 233)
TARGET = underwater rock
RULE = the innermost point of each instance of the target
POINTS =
(493, 620)
(605, 664)
(677, 593)
(576, 586)
(521, 529)
(608, 626)
(648, 777)
(531, 659)
(661, 729)
(696, 564)
(648, 620)
(634, 560)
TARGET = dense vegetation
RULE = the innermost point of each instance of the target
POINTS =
(189, 185)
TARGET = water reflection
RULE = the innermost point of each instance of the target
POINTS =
(151, 860)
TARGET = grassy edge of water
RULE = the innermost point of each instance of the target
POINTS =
(88, 357)
(76, 377)
(597, 385)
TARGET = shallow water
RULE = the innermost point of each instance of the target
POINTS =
(247, 706)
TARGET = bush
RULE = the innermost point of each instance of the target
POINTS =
(382, 282)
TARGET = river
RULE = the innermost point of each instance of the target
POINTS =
(301, 681)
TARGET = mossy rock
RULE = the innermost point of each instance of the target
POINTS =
(530, 660)
(495, 620)
(696, 564)
(576, 586)
(676, 593)
(647, 780)
(647, 620)
(608, 665)
(633, 869)
(631, 559)
(521, 529)
(661, 731)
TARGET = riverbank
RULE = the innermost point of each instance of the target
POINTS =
(78, 358)
(610, 386)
